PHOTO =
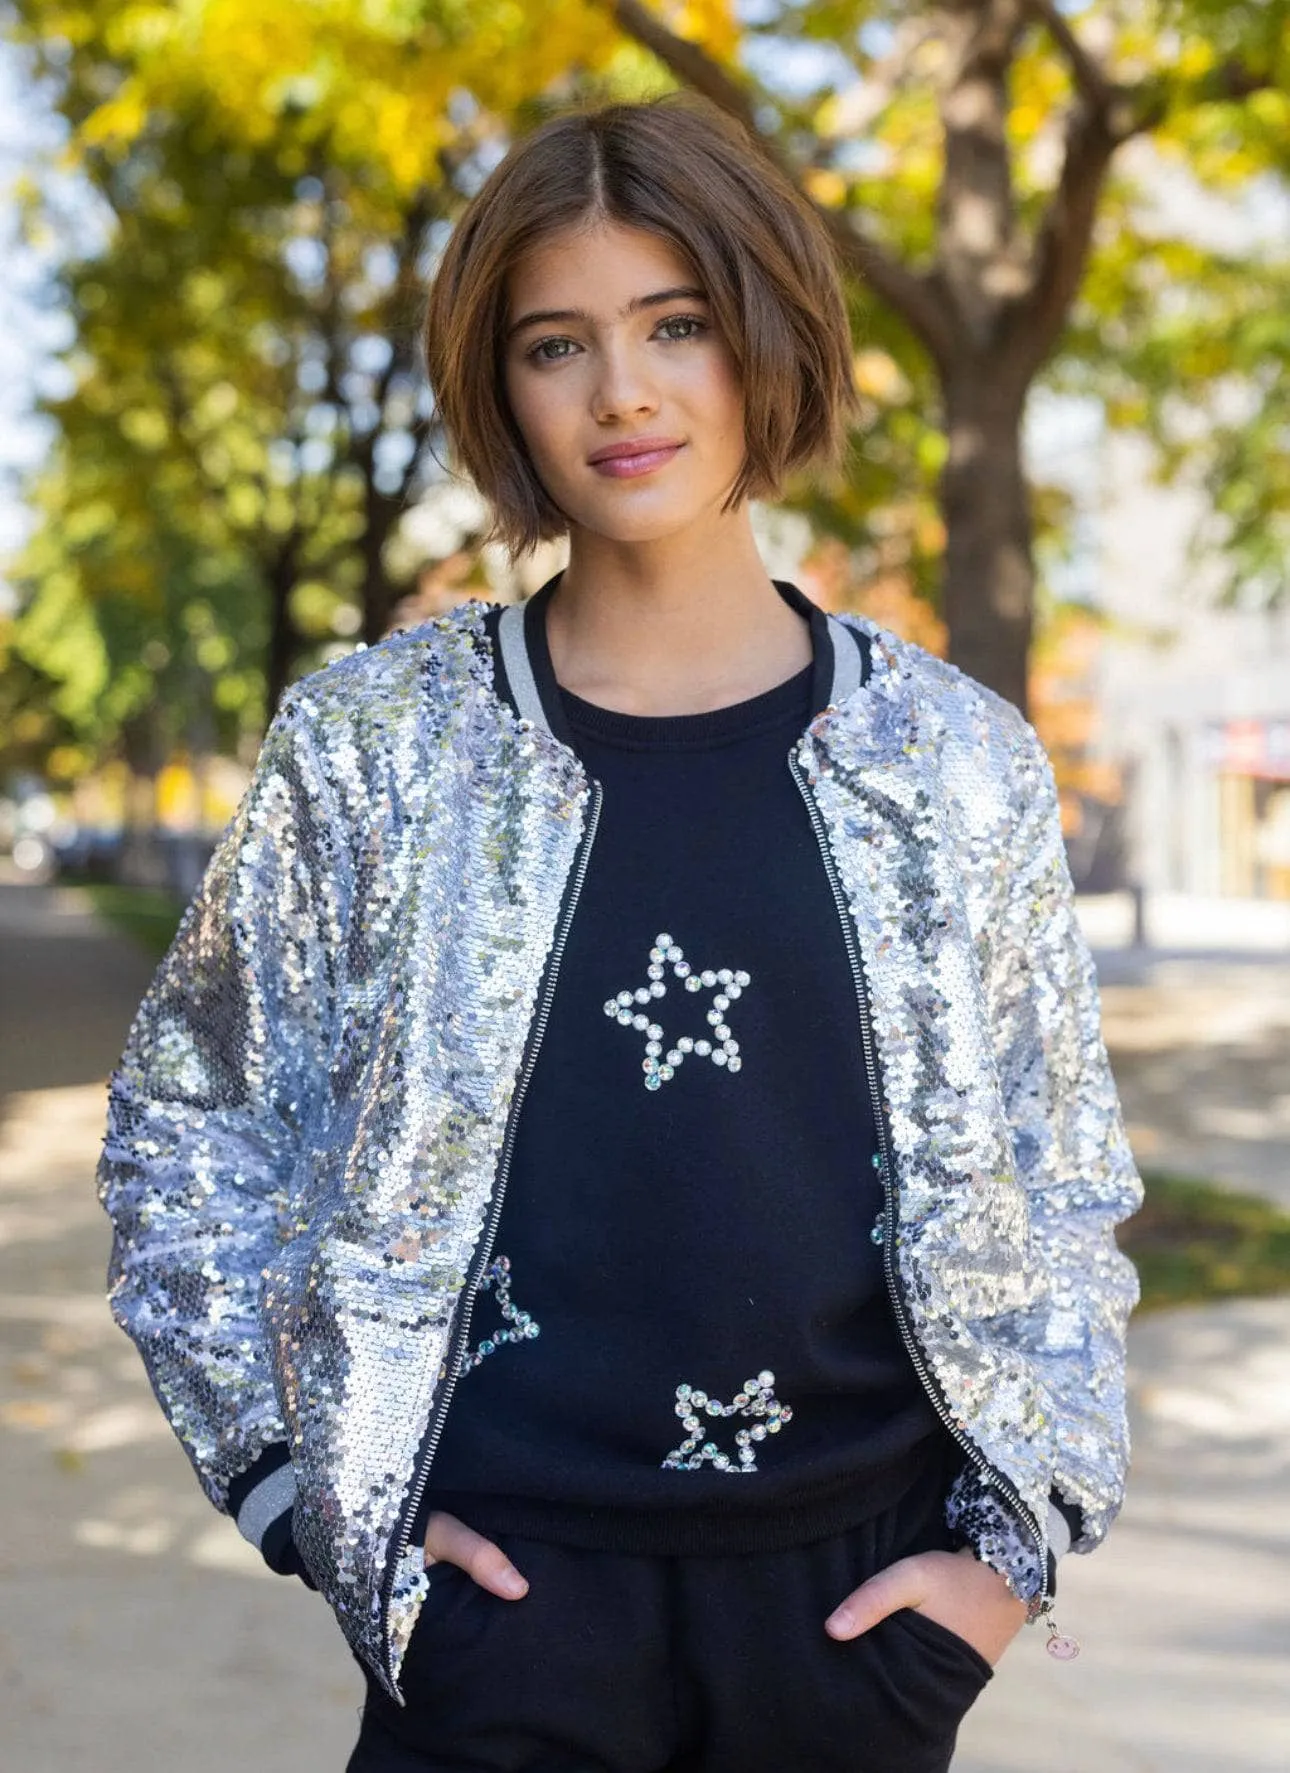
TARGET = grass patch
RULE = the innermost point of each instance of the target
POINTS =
(149, 915)
(1192, 1242)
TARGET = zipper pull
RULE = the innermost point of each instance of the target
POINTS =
(1060, 1646)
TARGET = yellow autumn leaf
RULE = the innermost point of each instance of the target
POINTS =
(1196, 58)
(878, 375)
(825, 186)
(709, 22)
(119, 121)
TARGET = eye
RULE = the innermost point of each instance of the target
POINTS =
(538, 353)
(685, 320)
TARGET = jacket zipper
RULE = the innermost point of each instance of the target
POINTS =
(995, 1479)
(435, 1430)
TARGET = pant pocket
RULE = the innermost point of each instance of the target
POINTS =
(574, 1675)
(945, 1641)
(455, 1612)
(923, 1680)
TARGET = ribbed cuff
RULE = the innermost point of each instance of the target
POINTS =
(1065, 1524)
(261, 1500)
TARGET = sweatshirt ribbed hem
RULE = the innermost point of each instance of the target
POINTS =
(699, 1532)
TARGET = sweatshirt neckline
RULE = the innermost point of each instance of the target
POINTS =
(785, 703)
(524, 675)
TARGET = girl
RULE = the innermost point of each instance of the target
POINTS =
(614, 1180)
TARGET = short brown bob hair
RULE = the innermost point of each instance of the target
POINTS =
(678, 167)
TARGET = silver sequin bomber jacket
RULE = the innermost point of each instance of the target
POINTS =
(309, 1129)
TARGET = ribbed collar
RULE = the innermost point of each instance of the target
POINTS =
(527, 677)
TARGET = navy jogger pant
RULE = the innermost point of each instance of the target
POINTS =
(617, 1663)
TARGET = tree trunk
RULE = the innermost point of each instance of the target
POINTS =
(378, 593)
(281, 572)
(989, 584)
(139, 860)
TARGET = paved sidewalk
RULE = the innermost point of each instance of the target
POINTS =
(1184, 1612)
(1201, 1050)
(136, 1628)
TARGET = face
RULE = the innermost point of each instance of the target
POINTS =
(621, 355)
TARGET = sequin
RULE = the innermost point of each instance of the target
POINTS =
(306, 1124)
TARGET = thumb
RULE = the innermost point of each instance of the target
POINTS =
(896, 1586)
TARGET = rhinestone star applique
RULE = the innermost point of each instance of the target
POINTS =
(757, 1400)
(722, 1048)
(523, 1328)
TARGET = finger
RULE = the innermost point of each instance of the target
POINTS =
(896, 1586)
(451, 1540)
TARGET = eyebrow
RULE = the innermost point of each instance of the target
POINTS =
(681, 292)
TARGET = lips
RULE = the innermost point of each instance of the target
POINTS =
(639, 446)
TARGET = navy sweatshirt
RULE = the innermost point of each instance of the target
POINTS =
(685, 1342)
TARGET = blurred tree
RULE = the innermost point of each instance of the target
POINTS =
(1203, 366)
(237, 431)
(277, 184)
(962, 153)
(142, 586)
(1063, 693)
(245, 416)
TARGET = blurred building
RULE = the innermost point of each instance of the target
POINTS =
(1195, 699)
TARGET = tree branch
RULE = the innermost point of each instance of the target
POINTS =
(1146, 106)
(1107, 115)
(1062, 245)
(1101, 117)
(917, 299)
(1088, 74)
(690, 62)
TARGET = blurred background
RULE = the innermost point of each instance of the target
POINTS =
(1065, 230)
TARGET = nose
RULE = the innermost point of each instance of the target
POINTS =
(624, 384)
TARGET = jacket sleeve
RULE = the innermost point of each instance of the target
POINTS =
(209, 1115)
(1072, 1155)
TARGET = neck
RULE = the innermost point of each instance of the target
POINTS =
(673, 629)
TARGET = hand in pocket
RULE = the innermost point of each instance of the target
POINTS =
(451, 1541)
(952, 1588)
